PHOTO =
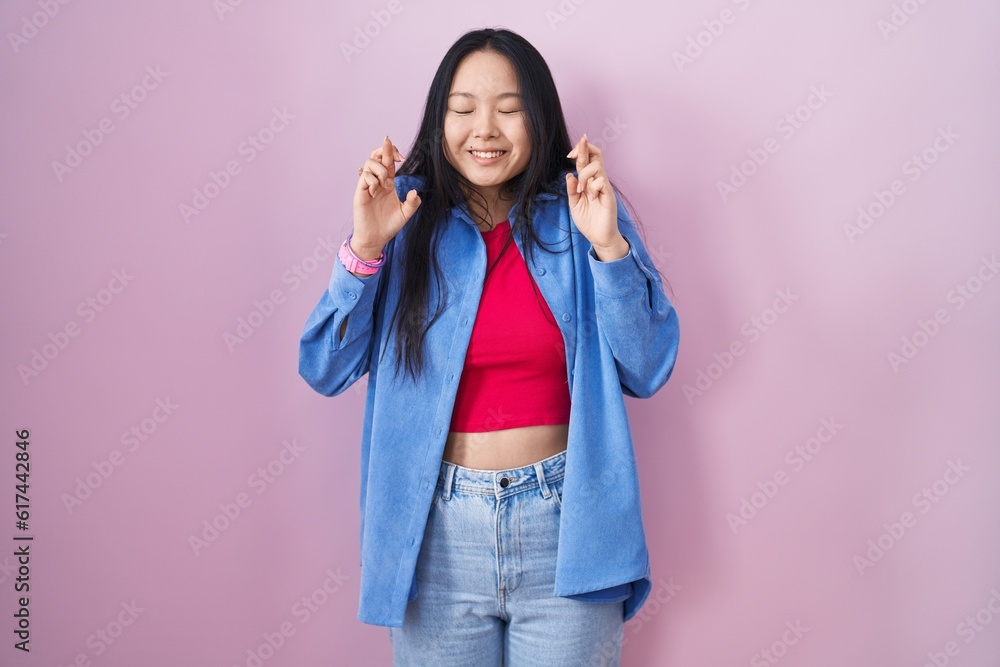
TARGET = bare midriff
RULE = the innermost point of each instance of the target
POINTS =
(507, 448)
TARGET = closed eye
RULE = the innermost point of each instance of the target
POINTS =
(463, 113)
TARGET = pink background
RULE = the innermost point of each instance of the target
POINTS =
(671, 132)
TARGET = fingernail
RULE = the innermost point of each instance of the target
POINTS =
(584, 135)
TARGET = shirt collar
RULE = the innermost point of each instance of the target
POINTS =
(461, 210)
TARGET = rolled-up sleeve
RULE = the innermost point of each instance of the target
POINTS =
(329, 363)
(635, 315)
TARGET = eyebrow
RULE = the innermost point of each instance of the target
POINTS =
(499, 97)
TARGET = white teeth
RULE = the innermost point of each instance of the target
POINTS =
(488, 155)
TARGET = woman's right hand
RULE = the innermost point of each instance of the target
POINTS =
(378, 212)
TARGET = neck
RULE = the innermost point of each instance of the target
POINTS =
(496, 211)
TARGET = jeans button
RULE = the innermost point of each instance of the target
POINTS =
(504, 482)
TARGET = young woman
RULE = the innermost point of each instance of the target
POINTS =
(500, 514)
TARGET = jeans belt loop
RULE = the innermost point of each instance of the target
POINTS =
(449, 477)
(540, 473)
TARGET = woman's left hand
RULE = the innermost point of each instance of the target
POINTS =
(594, 208)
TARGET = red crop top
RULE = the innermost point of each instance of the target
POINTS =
(515, 367)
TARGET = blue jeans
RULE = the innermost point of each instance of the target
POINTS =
(485, 575)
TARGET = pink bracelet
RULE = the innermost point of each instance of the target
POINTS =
(354, 263)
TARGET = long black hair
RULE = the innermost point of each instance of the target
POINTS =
(444, 187)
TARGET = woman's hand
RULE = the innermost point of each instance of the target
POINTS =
(593, 205)
(378, 212)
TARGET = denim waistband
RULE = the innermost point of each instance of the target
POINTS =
(501, 483)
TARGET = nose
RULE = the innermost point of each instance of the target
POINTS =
(486, 125)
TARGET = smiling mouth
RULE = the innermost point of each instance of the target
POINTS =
(488, 154)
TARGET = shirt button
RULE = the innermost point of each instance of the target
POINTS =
(504, 482)
(565, 317)
(465, 321)
(541, 272)
(352, 295)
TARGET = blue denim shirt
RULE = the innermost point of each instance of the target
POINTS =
(621, 336)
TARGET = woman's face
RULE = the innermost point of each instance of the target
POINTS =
(485, 114)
